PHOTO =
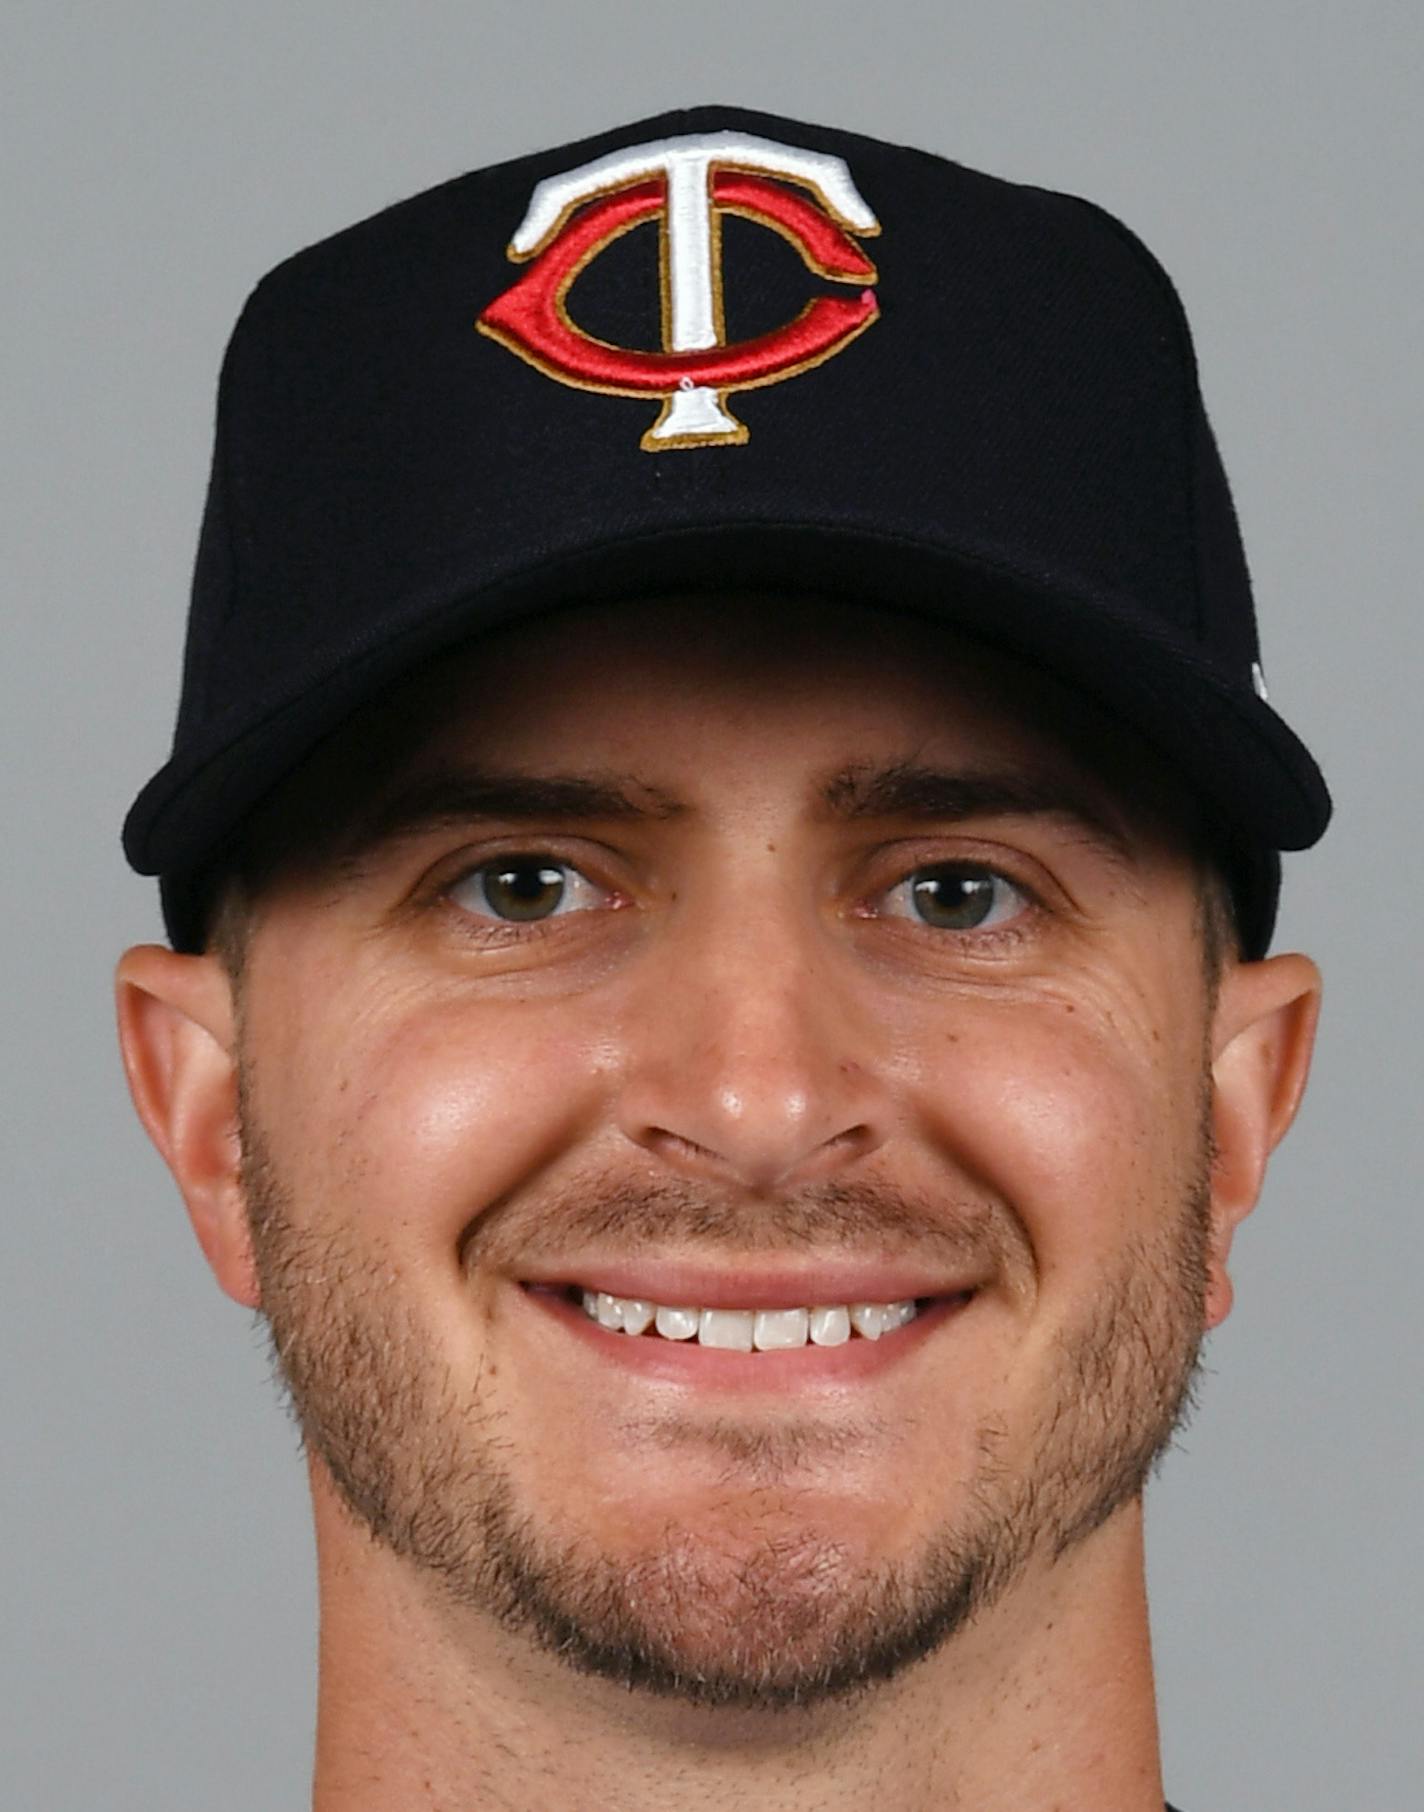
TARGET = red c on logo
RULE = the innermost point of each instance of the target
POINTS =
(532, 320)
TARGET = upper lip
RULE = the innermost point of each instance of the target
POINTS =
(738, 1285)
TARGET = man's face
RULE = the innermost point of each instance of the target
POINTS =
(743, 960)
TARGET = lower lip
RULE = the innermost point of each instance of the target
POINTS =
(694, 1366)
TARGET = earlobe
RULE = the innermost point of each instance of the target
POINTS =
(1263, 1036)
(177, 1033)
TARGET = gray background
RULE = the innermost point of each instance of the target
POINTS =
(158, 1602)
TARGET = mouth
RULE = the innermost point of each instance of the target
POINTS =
(746, 1330)
(778, 1338)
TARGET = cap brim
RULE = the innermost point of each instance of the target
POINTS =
(1256, 779)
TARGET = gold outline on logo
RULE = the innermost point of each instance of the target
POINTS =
(649, 441)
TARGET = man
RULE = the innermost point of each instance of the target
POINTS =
(720, 854)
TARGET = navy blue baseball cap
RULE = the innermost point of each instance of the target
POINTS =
(719, 350)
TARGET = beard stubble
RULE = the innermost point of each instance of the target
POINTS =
(790, 1619)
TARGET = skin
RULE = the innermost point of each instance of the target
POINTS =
(738, 1045)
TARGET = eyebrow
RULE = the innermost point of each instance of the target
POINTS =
(901, 790)
(448, 796)
(937, 795)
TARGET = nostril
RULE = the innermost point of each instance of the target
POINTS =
(764, 1129)
(677, 1149)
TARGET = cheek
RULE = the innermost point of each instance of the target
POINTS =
(1082, 1121)
(416, 1115)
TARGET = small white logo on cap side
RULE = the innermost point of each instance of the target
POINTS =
(687, 184)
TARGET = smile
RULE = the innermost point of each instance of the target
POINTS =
(748, 1330)
(777, 1345)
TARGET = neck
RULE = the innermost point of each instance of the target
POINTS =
(1045, 1702)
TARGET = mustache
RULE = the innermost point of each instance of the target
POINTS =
(862, 1219)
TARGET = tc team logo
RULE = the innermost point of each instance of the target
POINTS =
(688, 184)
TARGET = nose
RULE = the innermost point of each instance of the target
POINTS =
(751, 1062)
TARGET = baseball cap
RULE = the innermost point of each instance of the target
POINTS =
(719, 350)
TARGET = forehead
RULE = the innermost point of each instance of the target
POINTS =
(705, 674)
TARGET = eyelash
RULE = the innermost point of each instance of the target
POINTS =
(965, 871)
(506, 930)
(494, 930)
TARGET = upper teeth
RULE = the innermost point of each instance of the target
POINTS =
(745, 1329)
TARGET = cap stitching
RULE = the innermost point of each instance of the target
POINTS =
(235, 494)
(1189, 381)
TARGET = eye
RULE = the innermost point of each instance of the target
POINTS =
(522, 890)
(957, 896)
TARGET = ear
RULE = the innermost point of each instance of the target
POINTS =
(1263, 1035)
(177, 1032)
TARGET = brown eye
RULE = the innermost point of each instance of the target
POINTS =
(956, 896)
(523, 889)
